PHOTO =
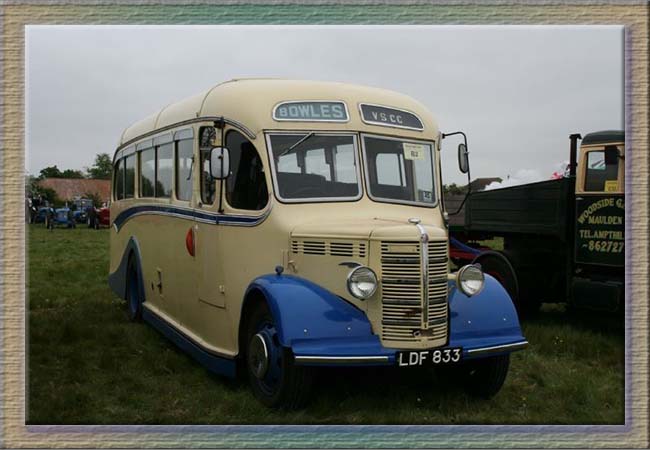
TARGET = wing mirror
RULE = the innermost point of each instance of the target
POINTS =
(611, 156)
(219, 163)
(463, 158)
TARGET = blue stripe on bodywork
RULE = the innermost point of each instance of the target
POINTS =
(185, 213)
(215, 364)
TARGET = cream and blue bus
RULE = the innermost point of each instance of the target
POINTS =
(276, 226)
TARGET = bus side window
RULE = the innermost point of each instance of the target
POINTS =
(119, 180)
(164, 163)
(246, 186)
(129, 176)
(147, 172)
(208, 184)
(184, 150)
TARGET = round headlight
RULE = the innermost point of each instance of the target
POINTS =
(470, 280)
(362, 282)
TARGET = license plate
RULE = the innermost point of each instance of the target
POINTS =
(430, 357)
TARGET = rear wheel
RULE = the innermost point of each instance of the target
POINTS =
(133, 300)
(274, 378)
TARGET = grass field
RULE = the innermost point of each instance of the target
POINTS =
(88, 365)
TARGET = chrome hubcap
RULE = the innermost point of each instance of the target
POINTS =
(258, 356)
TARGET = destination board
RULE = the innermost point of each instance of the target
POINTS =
(390, 117)
(600, 225)
(311, 111)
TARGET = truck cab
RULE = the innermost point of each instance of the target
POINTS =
(599, 246)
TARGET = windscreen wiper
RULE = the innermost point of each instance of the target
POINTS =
(303, 139)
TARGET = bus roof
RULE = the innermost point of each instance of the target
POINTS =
(250, 102)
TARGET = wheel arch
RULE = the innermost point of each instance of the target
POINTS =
(485, 319)
(253, 297)
(118, 279)
(303, 311)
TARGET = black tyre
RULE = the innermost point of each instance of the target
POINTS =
(497, 265)
(484, 377)
(133, 299)
(274, 378)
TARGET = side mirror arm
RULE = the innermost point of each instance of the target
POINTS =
(469, 178)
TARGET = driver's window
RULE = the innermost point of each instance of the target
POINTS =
(246, 185)
(600, 173)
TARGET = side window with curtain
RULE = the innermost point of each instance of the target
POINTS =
(246, 186)
(184, 157)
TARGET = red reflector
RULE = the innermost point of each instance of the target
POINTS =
(189, 241)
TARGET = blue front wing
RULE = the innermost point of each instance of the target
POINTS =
(321, 329)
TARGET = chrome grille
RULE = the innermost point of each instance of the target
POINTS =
(402, 294)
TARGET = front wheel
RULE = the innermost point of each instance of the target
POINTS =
(274, 378)
(481, 378)
(485, 377)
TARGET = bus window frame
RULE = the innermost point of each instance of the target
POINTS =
(176, 171)
(431, 143)
(274, 177)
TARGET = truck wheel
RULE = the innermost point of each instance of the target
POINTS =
(499, 267)
(133, 300)
(484, 377)
(274, 378)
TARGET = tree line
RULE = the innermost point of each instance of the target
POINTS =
(100, 170)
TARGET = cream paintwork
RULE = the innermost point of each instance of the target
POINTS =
(582, 167)
(229, 257)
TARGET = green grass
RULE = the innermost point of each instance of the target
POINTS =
(89, 365)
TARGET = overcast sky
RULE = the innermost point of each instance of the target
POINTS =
(517, 91)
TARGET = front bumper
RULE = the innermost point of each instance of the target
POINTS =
(369, 352)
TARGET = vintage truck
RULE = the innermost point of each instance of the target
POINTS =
(562, 238)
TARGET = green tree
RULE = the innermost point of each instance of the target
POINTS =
(34, 190)
(50, 172)
(94, 196)
(71, 173)
(102, 168)
(454, 189)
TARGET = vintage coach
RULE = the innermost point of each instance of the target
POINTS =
(296, 224)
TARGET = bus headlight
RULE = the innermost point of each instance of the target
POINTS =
(470, 280)
(362, 282)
